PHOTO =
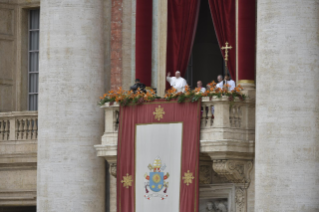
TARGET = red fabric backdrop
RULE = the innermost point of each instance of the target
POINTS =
(224, 19)
(143, 41)
(181, 29)
(174, 112)
(246, 39)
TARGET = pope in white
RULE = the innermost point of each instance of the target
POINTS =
(177, 82)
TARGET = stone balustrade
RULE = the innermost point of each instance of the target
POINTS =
(19, 125)
(18, 157)
(227, 129)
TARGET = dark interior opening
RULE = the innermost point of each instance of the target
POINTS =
(206, 61)
(18, 209)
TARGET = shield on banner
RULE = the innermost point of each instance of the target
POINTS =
(156, 181)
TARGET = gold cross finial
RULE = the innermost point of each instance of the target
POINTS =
(226, 48)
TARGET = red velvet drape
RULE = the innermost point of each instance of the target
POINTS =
(181, 29)
(246, 39)
(224, 19)
(130, 116)
(143, 41)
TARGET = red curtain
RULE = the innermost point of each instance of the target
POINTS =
(130, 116)
(224, 19)
(181, 29)
(143, 41)
(246, 39)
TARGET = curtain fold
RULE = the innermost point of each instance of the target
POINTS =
(224, 18)
(181, 29)
(143, 41)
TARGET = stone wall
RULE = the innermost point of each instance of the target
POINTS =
(287, 105)
(13, 53)
(70, 176)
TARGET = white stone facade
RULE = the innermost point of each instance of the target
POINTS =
(70, 177)
(287, 105)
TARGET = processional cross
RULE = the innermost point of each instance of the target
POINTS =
(226, 48)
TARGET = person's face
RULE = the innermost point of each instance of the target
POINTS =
(177, 74)
(209, 206)
(219, 78)
(199, 84)
(226, 78)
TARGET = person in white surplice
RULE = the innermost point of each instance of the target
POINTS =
(177, 82)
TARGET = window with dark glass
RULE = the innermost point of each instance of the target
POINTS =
(33, 51)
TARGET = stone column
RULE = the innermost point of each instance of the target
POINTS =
(287, 105)
(159, 44)
(113, 192)
(70, 176)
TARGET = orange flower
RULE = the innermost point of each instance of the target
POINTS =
(218, 89)
(186, 88)
(101, 97)
(197, 89)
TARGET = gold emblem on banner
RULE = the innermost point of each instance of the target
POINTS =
(159, 112)
(127, 181)
(188, 177)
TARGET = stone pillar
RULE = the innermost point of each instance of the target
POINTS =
(116, 43)
(113, 187)
(287, 105)
(159, 56)
(70, 176)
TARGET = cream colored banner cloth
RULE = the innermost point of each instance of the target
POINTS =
(158, 167)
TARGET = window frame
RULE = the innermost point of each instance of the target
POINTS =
(29, 53)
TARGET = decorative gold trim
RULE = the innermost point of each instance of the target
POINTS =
(127, 181)
(246, 82)
(159, 113)
(236, 41)
(188, 177)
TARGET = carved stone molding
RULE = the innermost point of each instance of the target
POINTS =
(204, 174)
(240, 199)
(236, 171)
(113, 169)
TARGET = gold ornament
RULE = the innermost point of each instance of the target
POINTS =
(159, 112)
(127, 181)
(188, 177)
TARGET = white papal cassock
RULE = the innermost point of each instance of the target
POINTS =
(177, 83)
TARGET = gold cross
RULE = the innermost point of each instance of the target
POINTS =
(226, 48)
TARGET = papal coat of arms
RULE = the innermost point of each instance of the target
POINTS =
(156, 185)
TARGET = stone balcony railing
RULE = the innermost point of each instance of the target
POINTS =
(18, 157)
(19, 126)
(226, 133)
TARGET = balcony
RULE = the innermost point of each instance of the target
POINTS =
(18, 158)
(228, 133)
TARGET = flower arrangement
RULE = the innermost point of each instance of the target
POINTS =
(124, 97)
(213, 91)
